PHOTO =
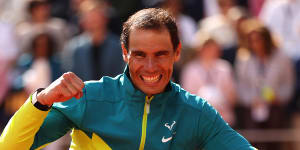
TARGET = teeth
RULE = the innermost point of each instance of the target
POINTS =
(151, 79)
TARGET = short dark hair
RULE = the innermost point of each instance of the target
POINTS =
(150, 18)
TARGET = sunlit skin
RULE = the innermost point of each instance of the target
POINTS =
(150, 58)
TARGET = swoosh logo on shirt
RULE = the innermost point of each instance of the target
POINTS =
(166, 140)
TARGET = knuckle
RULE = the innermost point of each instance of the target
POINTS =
(67, 75)
(63, 82)
(71, 74)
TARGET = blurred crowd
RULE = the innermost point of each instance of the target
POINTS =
(242, 56)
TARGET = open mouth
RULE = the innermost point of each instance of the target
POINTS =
(151, 79)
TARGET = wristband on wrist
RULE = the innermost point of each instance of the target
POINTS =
(36, 103)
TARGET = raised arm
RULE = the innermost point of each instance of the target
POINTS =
(20, 132)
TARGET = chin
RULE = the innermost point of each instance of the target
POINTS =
(153, 91)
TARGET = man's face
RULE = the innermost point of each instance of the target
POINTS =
(150, 58)
(94, 20)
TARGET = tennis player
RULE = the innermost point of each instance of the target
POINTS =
(139, 109)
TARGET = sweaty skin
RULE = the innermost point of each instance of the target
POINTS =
(150, 58)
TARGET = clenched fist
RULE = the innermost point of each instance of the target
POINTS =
(62, 89)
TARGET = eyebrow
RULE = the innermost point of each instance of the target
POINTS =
(162, 52)
(137, 52)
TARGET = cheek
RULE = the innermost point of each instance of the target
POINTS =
(167, 67)
(134, 65)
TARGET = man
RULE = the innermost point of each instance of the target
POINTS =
(96, 52)
(139, 109)
(40, 20)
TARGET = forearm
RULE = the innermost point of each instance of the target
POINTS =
(20, 131)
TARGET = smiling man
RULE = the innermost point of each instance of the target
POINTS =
(139, 109)
(150, 58)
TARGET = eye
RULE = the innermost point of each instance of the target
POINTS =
(138, 54)
(162, 54)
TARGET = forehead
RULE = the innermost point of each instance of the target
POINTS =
(150, 39)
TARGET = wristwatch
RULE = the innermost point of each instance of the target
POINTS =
(36, 103)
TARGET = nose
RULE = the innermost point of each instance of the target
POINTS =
(150, 64)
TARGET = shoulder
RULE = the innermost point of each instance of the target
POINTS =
(192, 101)
(197, 105)
(105, 88)
(78, 41)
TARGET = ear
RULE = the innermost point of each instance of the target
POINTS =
(125, 53)
(178, 52)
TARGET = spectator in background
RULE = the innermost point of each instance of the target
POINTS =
(221, 26)
(283, 19)
(40, 20)
(96, 52)
(241, 30)
(40, 66)
(210, 77)
(36, 68)
(186, 25)
(265, 80)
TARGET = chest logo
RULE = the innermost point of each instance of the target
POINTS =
(164, 140)
(170, 127)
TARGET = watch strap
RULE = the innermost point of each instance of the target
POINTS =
(36, 103)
